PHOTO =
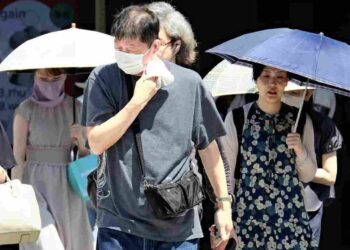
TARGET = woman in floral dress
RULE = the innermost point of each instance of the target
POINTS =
(269, 211)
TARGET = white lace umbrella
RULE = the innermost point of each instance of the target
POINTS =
(233, 79)
(70, 48)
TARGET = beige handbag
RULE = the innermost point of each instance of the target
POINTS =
(19, 213)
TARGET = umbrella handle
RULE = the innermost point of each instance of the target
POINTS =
(294, 129)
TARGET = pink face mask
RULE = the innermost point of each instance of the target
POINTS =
(49, 94)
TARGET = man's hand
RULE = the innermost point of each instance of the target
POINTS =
(223, 222)
(294, 142)
(145, 89)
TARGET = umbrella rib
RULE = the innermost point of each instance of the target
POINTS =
(318, 53)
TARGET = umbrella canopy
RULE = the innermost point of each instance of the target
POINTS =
(70, 48)
(233, 78)
(321, 59)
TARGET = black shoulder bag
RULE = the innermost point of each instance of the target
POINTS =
(167, 200)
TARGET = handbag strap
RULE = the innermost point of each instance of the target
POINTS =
(74, 152)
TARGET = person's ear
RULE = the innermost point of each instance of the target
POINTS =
(176, 46)
(155, 45)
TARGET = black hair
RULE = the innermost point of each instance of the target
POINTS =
(258, 69)
(136, 22)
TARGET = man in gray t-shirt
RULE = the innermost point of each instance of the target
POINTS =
(173, 119)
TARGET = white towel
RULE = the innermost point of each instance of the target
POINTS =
(157, 68)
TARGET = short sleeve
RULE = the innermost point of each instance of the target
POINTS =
(331, 137)
(24, 109)
(207, 124)
(98, 104)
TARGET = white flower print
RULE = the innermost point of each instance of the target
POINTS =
(295, 181)
(272, 155)
(262, 183)
(250, 244)
(265, 217)
(281, 148)
(253, 157)
(263, 158)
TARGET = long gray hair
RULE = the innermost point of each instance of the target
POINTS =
(176, 27)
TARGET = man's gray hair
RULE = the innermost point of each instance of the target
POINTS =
(176, 27)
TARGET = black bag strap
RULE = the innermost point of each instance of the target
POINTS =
(135, 126)
(238, 120)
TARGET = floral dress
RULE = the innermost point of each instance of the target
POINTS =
(269, 211)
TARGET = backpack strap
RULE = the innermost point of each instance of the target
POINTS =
(238, 120)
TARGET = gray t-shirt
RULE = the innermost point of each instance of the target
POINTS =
(179, 116)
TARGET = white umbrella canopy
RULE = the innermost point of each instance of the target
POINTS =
(233, 79)
(70, 48)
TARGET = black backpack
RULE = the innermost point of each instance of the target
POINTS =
(239, 119)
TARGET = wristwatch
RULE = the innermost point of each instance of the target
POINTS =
(224, 198)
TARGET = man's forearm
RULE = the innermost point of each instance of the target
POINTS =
(103, 136)
(214, 168)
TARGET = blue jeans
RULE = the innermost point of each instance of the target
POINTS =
(315, 224)
(110, 239)
(92, 218)
(91, 211)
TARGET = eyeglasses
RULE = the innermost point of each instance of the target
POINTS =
(163, 43)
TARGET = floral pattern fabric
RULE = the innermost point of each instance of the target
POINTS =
(269, 210)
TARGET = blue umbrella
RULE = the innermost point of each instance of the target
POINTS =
(323, 60)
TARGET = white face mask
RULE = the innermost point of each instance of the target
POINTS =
(131, 64)
(291, 100)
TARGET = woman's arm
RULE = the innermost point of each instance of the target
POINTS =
(20, 134)
(327, 175)
(305, 153)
